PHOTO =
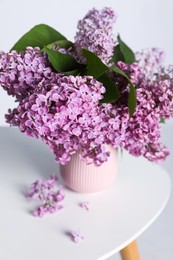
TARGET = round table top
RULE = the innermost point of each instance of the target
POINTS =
(116, 217)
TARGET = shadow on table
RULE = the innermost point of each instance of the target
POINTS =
(21, 147)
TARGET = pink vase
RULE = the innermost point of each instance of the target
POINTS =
(87, 178)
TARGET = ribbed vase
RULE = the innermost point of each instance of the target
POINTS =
(87, 178)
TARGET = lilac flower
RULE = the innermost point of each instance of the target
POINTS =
(154, 101)
(40, 189)
(77, 236)
(143, 129)
(161, 88)
(66, 112)
(95, 19)
(156, 153)
(59, 195)
(44, 191)
(21, 72)
(133, 71)
(85, 205)
(95, 34)
(68, 117)
(36, 191)
(52, 181)
(66, 124)
(46, 208)
(149, 60)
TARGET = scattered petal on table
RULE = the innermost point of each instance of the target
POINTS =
(77, 236)
(48, 194)
(85, 205)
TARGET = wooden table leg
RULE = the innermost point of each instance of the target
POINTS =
(130, 252)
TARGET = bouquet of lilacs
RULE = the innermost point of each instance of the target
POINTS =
(78, 96)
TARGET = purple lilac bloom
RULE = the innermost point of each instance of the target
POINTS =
(149, 60)
(40, 189)
(65, 111)
(154, 101)
(143, 130)
(46, 192)
(20, 73)
(76, 236)
(48, 207)
(132, 70)
(69, 118)
(162, 91)
(95, 34)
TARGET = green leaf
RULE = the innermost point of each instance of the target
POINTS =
(95, 67)
(117, 55)
(128, 54)
(75, 72)
(62, 62)
(112, 94)
(162, 121)
(132, 102)
(39, 36)
(61, 44)
(120, 72)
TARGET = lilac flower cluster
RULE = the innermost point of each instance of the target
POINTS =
(65, 111)
(20, 73)
(69, 119)
(149, 60)
(161, 88)
(133, 71)
(143, 130)
(95, 34)
(43, 190)
(154, 102)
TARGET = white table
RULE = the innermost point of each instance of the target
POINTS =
(116, 218)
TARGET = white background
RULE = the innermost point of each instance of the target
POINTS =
(141, 23)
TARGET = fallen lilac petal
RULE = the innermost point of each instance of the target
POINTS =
(85, 205)
(44, 190)
(39, 212)
(77, 236)
(54, 177)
